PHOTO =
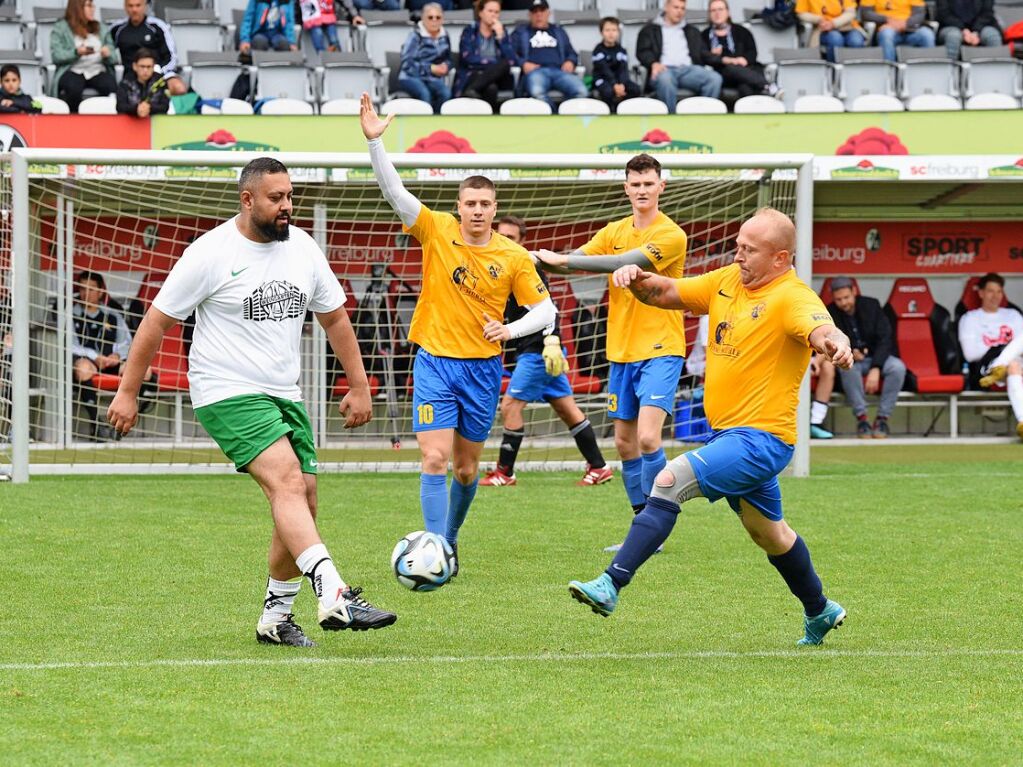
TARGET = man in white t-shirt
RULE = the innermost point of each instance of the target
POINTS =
(251, 281)
(992, 338)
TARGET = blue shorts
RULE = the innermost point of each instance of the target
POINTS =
(646, 382)
(457, 394)
(530, 382)
(742, 463)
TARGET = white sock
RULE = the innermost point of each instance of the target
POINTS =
(316, 565)
(280, 596)
(818, 412)
(1014, 384)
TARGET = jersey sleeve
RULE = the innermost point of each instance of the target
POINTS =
(804, 314)
(425, 226)
(187, 286)
(666, 248)
(328, 294)
(598, 244)
(527, 285)
(696, 292)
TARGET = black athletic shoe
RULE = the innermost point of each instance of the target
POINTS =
(354, 613)
(285, 632)
(454, 566)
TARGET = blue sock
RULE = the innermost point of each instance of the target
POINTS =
(632, 476)
(433, 493)
(458, 506)
(652, 465)
(650, 528)
(797, 570)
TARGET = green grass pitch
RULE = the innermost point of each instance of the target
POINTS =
(129, 607)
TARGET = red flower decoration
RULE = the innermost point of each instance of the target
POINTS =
(442, 142)
(656, 137)
(872, 141)
(221, 138)
(1019, 162)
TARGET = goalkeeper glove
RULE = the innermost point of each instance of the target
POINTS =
(553, 357)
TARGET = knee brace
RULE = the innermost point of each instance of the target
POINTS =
(677, 482)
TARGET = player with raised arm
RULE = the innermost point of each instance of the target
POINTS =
(468, 273)
(646, 348)
(763, 322)
(251, 281)
(540, 375)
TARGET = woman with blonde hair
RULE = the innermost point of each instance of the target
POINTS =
(84, 52)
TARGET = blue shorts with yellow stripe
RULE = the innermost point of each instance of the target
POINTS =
(449, 393)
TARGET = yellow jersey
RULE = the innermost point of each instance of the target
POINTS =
(636, 331)
(758, 347)
(462, 282)
(895, 9)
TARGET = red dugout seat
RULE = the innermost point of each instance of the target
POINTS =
(171, 363)
(915, 318)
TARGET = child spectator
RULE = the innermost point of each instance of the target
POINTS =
(319, 19)
(268, 25)
(146, 94)
(611, 66)
(11, 97)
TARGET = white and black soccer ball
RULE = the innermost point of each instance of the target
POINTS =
(422, 561)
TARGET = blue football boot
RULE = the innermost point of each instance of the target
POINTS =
(817, 627)
(599, 594)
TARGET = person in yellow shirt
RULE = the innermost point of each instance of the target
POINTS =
(834, 25)
(468, 273)
(645, 346)
(763, 322)
(899, 22)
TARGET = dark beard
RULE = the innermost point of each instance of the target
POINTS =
(272, 232)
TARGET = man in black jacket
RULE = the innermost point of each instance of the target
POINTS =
(146, 93)
(967, 22)
(674, 54)
(873, 345)
(736, 52)
(139, 29)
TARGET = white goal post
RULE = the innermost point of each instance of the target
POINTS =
(46, 195)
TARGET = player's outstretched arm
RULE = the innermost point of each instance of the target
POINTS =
(356, 405)
(577, 261)
(833, 344)
(398, 197)
(123, 412)
(649, 287)
(539, 316)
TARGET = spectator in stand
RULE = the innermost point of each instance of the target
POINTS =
(967, 22)
(426, 59)
(485, 56)
(611, 66)
(674, 54)
(834, 25)
(84, 53)
(985, 332)
(899, 22)
(546, 56)
(734, 53)
(268, 24)
(144, 94)
(141, 30)
(378, 5)
(873, 346)
(319, 20)
(11, 97)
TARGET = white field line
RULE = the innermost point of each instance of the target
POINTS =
(813, 654)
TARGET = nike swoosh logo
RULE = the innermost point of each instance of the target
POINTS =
(457, 244)
(235, 274)
(515, 391)
(617, 247)
(658, 396)
(620, 569)
(722, 293)
(696, 454)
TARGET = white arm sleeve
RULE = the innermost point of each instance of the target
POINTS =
(398, 197)
(538, 317)
(969, 338)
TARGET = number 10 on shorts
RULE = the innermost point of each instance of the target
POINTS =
(424, 414)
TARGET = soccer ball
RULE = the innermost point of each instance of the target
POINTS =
(422, 561)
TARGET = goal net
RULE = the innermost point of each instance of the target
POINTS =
(91, 236)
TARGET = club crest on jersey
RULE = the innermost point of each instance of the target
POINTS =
(276, 300)
(758, 311)
(467, 283)
(494, 271)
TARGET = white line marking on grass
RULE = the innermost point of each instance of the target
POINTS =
(807, 654)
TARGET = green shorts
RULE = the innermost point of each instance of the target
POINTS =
(246, 425)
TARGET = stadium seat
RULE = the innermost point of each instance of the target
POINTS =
(11, 37)
(927, 71)
(769, 40)
(876, 102)
(583, 106)
(580, 26)
(235, 107)
(934, 102)
(642, 105)
(346, 76)
(282, 106)
(384, 31)
(457, 20)
(195, 29)
(826, 294)
(864, 72)
(526, 106)
(406, 107)
(986, 101)
(991, 70)
(818, 104)
(924, 337)
(802, 72)
(212, 74)
(43, 20)
(701, 105)
(466, 106)
(340, 107)
(98, 105)
(282, 74)
(758, 105)
(226, 9)
(52, 106)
